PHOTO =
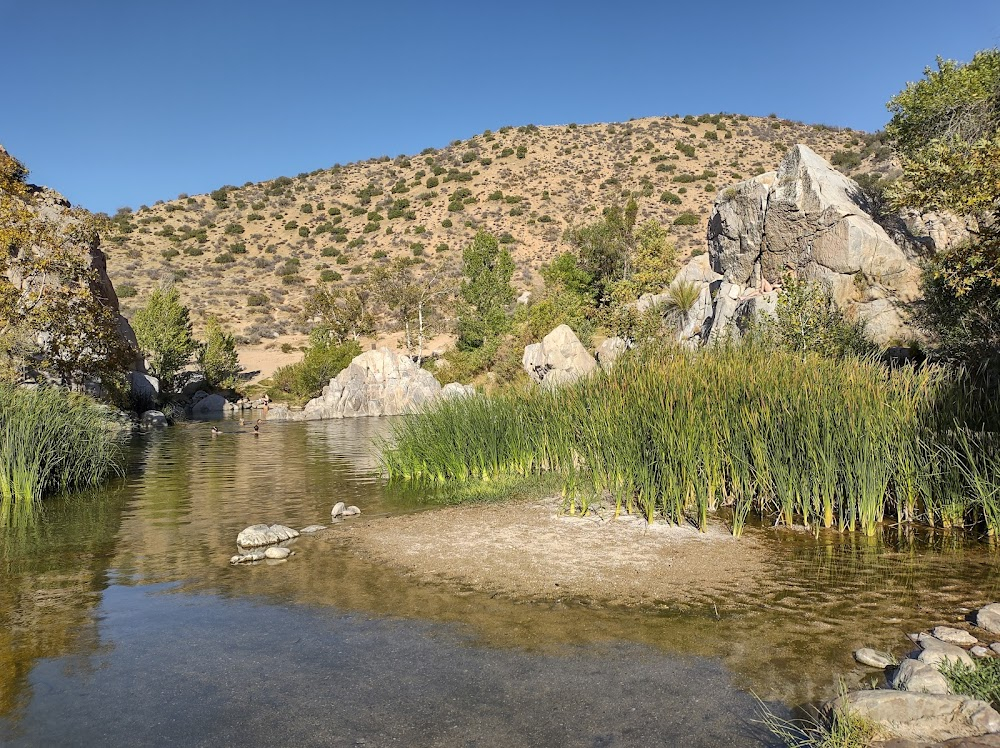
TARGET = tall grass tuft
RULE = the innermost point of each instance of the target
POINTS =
(675, 434)
(51, 441)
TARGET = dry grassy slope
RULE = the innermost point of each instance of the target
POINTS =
(567, 175)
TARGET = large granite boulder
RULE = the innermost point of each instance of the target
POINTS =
(809, 220)
(560, 358)
(922, 716)
(69, 240)
(209, 406)
(376, 383)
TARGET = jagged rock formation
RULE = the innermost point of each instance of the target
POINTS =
(809, 220)
(62, 293)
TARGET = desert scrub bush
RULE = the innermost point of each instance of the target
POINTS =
(257, 299)
(51, 441)
(447, 223)
(686, 148)
(127, 290)
(224, 258)
(329, 276)
(669, 198)
(234, 228)
(687, 219)
(303, 231)
(846, 160)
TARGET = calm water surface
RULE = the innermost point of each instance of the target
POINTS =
(121, 622)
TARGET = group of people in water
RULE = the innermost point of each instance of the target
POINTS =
(256, 427)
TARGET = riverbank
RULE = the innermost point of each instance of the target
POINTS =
(530, 550)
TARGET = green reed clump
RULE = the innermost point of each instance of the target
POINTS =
(51, 441)
(676, 434)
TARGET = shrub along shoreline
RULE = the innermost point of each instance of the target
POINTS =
(51, 441)
(674, 434)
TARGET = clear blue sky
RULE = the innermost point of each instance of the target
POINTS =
(118, 102)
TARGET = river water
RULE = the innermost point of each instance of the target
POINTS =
(122, 623)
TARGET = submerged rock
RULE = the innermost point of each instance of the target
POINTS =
(311, 529)
(920, 716)
(351, 511)
(873, 658)
(258, 535)
(277, 552)
(246, 558)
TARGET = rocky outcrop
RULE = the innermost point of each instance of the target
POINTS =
(920, 716)
(809, 220)
(609, 351)
(27, 268)
(560, 358)
(376, 383)
(259, 535)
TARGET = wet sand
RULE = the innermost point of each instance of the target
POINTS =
(532, 551)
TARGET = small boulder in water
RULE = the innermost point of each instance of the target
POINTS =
(873, 658)
(954, 636)
(312, 528)
(352, 511)
(338, 509)
(277, 552)
(246, 558)
(258, 535)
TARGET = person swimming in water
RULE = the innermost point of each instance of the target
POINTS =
(215, 431)
(256, 428)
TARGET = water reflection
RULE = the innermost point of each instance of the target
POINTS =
(787, 637)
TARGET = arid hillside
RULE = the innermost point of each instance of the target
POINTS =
(251, 255)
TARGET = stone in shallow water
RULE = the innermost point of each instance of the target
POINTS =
(338, 509)
(312, 528)
(919, 677)
(258, 535)
(935, 652)
(352, 511)
(872, 658)
(954, 636)
(246, 558)
(277, 552)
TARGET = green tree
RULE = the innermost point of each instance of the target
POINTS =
(163, 329)
(217, 357)
(946, 128)
(409, 301)
(344, 314)
(486, 293)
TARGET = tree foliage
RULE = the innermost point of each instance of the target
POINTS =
(486, 293)
(217, 357)
(163, 329)
(946, 128)
(622, 259)
(55, 315)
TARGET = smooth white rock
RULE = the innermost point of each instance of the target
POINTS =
(919, 677)
(954, 636)
(277, 552)
(312, 529)
(338, 509)
(872, 658)
(352, 511)
(979, 651)
(935, 652)
(988, 617)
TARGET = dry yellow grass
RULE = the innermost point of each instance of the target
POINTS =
(567, 175)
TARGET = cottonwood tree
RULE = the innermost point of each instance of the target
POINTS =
(410, 301)
(946, 128)
(163, 328)
(343, 314)
(485, 293)
(217, 357)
